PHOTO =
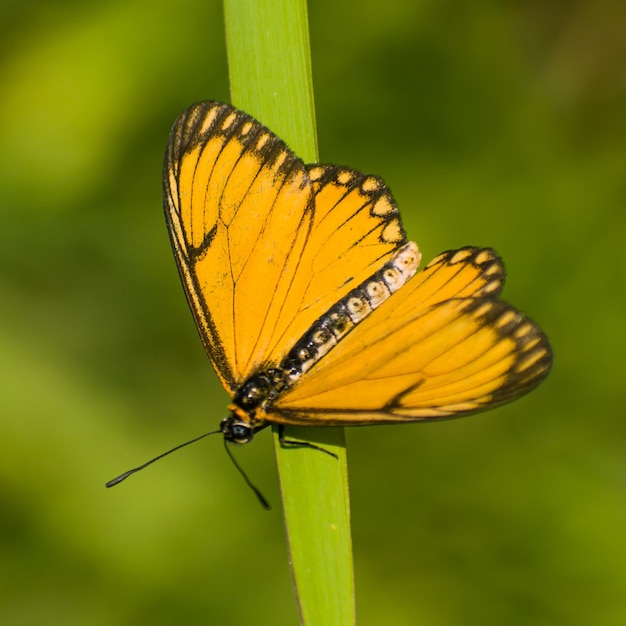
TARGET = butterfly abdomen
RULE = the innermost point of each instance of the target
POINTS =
(353, 308)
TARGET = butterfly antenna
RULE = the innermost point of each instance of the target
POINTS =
(261, 498)
(125, 475)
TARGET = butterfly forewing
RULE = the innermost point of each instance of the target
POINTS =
(356, 229)
(264, 244)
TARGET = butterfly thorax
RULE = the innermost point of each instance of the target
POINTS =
(251, 402)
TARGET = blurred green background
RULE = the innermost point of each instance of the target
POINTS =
(495, 123)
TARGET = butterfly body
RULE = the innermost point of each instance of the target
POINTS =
(252, 401)
(306, 295)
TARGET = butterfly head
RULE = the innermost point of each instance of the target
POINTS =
(236, 429)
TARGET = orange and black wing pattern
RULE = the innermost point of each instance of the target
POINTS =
(307, 268)
(265, 244)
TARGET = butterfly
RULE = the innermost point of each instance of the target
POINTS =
(307, 297)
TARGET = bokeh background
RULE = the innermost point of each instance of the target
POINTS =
(499, 123)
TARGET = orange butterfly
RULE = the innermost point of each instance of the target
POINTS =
(305, 290)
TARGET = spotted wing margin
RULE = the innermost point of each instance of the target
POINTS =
(442, 346)
(257, 235)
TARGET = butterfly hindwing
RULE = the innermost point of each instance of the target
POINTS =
(443, 345)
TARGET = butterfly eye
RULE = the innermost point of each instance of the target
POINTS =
(236, 431)
(240, 433)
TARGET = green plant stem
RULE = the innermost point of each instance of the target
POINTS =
(270, 78)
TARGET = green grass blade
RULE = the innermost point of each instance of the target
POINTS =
(270, 78)
(270, 68)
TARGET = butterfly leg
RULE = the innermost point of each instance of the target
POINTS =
(292, 443)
